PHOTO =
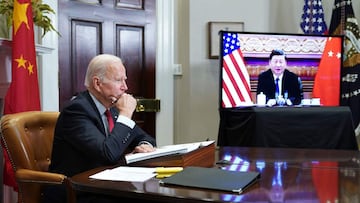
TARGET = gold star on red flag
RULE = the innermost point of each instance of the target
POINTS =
(30, 68)
(20, 16)
(21, 62)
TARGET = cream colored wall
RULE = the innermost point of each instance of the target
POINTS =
(196, 114)
(196, 91)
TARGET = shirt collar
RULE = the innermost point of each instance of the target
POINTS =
(280, 77)
(101, 108)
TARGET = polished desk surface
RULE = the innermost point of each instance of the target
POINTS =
(287, 175)
(293, 127)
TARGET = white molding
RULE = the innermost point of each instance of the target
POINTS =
(40, 49)
(5, 62)
(48, 66)
(164, 72)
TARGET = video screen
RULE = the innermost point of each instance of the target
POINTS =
(315, 59)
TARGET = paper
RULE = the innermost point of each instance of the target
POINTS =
(125, 173)
(191, 146)
(130, 158)
(166, 150)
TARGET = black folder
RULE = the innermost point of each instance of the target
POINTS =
(213, 178)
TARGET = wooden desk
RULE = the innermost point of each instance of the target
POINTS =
(291, 127)
(287, 175)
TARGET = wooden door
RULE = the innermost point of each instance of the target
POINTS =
(126, 28)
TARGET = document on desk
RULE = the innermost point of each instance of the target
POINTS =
(126, 173)
(166, 150)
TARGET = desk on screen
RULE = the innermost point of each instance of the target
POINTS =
(291, 127)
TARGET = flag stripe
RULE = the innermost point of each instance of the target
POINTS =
(227, 99)
(233, 90)
(238, 62)
(234, 81)
(235, 77)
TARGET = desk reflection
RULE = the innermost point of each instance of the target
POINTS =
(287, 175)
(313, 179)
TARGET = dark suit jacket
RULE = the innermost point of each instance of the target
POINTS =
(80, 141)
(291, 83)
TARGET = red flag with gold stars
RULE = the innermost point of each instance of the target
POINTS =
(327, 79)
(23, 93)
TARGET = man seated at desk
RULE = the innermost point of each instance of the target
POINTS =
(280, 86)
(96, 128)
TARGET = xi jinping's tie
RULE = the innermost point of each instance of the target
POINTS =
(277, 89)
(109, 119)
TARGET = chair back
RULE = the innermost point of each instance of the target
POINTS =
(28, 138)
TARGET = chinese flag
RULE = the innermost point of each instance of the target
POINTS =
(327, 79)
(23, 93)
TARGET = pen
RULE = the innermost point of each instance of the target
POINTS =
(167, 170)
(164, 172)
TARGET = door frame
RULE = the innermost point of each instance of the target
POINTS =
(164, 88)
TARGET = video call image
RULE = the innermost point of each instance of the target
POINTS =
(244, 55)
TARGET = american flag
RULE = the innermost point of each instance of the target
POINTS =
(235, 77)
(312, 20)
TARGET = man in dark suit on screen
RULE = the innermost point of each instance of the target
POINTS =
(280, 86)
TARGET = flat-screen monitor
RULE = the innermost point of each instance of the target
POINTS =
(316, 59)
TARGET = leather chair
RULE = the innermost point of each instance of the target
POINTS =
(28, 137)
